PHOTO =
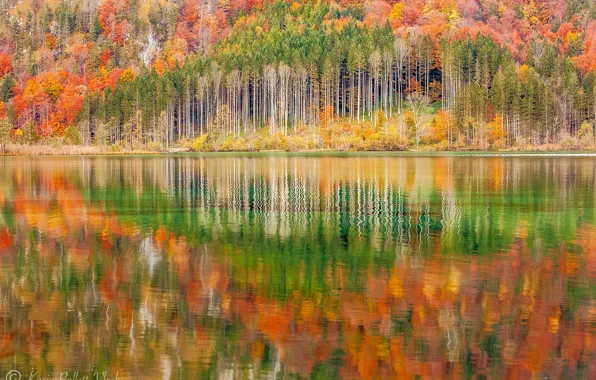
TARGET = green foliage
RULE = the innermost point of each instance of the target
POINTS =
(586, 130)
(101, 134)
(6, 89)
(30, 135)
(586, 135)
(283, 63)
(72, 136)
(5, 129)
(154, 146)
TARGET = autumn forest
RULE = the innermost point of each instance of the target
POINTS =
(259, 75)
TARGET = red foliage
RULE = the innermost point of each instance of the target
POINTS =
(67, 107)
(6, 240)
(376, 13)
(188, 26)
(110, 18)
(566, 34)
(412, 12)
(113, 77)
(237, 6)
(435, 24)
(586, 62)
(50, 101)
(106, 57)
(5, 64)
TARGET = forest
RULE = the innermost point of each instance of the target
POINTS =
(247, 75)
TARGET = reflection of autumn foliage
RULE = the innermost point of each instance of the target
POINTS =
(143, 290)
(6, 240)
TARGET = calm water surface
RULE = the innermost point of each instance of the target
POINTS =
(298, 267)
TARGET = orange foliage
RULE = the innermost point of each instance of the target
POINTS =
(188, 25)
(325, 117)
(440, 125)
(496, 129)
(106, 57)
(112, 77)
(160, 66)
(6, 240)
(414, 86)
(175, 52)
(50, 101)
(586, 62)
(5, 64)
(523, 71)
(401, 322)
(110, 17)
(377, 13)
(51, 41)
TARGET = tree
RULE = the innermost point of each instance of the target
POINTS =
(496, 132)
(5, 64)
(418, 104)
(441, 125)
(5, 129)
(6, 89)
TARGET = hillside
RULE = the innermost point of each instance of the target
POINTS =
(247, 75)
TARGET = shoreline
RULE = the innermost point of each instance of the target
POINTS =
(50, 151)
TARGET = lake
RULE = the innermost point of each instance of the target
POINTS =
(288, 266)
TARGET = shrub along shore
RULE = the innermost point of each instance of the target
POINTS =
(432, 132)
(336, 139)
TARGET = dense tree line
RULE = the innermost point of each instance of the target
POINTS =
(288, 68)
(296, 73)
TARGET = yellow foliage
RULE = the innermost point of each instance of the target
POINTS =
(531, 13)
(453, 16)
(199, 144)
(103, 72)
(585, 130)
(396, 12)
(228, 144)
(501, 9)
(396, 286)
(570, 37)
(410, 123)
(440, 125)
(52, 87)
(496, 130)
(523, 71)
(380, 119)
(409, 118)
(127, 75)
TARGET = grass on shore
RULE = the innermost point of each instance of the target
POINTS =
(65, 150)
(80, 150)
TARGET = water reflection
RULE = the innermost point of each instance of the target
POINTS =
(286, 266)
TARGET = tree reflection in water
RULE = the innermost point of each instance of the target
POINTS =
(286, 266)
